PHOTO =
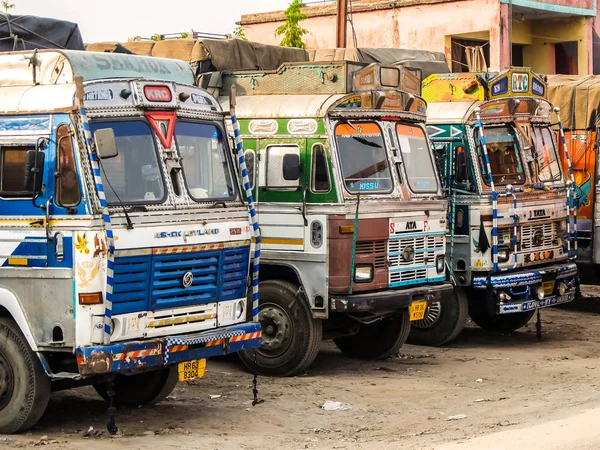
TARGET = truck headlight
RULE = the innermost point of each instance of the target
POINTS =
(503, 254)
(239, 309)
(363, 273)
(440, 263)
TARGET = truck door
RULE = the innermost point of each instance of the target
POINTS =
(283, 180)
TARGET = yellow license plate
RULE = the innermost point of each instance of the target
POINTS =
(548, 287)
(417, 310)
(190, 370)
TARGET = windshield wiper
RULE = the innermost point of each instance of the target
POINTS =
(366, 142)
(121, 204)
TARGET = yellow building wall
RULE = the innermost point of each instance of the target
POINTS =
(545, 33)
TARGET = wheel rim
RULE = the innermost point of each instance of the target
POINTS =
(277, 330)
(432, 315)
(7, 381)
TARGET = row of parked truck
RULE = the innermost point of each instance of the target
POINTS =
(382, 207)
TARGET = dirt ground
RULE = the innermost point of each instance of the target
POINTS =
(426, 397)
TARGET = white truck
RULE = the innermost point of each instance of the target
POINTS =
(124, 239)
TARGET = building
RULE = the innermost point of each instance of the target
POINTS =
(550, 36)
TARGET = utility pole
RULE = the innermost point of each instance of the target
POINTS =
(341, 21)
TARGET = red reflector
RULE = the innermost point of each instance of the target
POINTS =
(158, 93)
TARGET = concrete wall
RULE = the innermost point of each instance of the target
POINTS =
(430, 24)
(421, 26)
(540, 55)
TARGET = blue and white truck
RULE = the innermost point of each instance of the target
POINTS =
(124, 239)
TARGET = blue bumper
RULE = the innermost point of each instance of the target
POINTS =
(134, 356)
(526, 277)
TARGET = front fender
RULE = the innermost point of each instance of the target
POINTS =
(10, 302)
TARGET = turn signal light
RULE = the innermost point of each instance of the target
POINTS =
(347, 229)
(94, 298)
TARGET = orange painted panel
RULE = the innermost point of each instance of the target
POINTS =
(583, 160)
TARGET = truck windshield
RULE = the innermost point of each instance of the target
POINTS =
(134, 176)
(503, 151)
(363, 157)
(546, 159)
(205, 166)
(416, 157)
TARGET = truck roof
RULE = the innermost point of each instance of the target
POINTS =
(54, 67)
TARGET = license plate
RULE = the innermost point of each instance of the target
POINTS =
(228, 311)
(548, 287)
(417, 310)
(190, 370)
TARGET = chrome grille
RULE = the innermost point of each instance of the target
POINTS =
(546, 231)
(408, 275)
(424, 247)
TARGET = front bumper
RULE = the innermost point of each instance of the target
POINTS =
(141, 355)
(521, 287)
(526, 277)
(389, 300)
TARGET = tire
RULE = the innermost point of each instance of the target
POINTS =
(442, 323)
(24, 386)
(142, 389)
(290, 335)
(504, 323)
(379, 340)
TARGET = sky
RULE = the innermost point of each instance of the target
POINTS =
(117, 20)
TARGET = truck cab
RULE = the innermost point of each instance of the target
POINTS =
(510, 243)
(353, 218)
(125, 241)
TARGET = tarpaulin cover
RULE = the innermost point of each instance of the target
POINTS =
(578, 97)
(38, 32)
(237, 54)
(428, 62)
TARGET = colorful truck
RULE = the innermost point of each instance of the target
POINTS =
(124, 238)
(510, 243)
(578, 97)
(352, 214)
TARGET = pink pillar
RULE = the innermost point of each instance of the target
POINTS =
(504, 38)
(499, 41)
(589, 34)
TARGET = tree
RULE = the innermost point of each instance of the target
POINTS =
(291, 31)
(239, 33)
(7, 5)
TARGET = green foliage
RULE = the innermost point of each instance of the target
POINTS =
(7, 5)
(239, 33)
(291, 31)
(156, 37)
(185, 35)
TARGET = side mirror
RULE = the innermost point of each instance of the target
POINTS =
(291, 167)
(34, 166)
(106, 145)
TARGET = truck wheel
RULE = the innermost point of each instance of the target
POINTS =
(290, 335)
(379, 340)
(504, 323)
(442, 323)
(24, 386)
(145, 388)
